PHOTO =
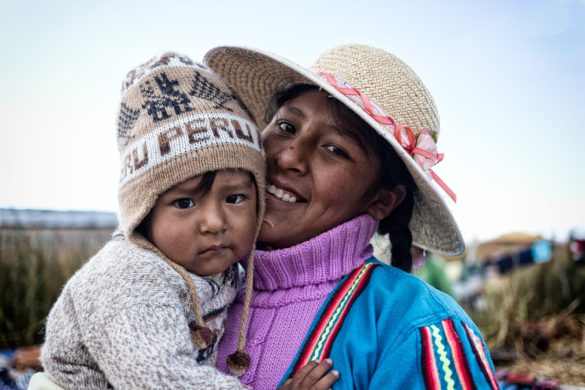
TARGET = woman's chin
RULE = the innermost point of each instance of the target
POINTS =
(279, 219)
(269, 234)
(276, 235)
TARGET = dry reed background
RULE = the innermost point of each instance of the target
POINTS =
(533, 319)
(34, 265)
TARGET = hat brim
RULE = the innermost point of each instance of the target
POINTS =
(256, 76)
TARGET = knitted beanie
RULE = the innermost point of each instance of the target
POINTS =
(177, 120)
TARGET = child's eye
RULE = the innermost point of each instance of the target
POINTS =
(285, 126)
(337, 151)
(184, 203)
(236, 198)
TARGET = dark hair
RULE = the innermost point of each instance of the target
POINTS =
(393, 171)
(203, 188)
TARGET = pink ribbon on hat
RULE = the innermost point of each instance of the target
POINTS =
(421, 147)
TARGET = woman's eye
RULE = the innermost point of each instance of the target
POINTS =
(184, 203)
(236, 198)
(337, 151)
(285, 126)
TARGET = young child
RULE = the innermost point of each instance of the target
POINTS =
(149, 309)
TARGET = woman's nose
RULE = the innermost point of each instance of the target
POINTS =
(212, 219)
(293, 156)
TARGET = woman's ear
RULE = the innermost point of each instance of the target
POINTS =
(385, 201)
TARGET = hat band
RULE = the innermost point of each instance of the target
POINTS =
(188, 134)
(420, 145)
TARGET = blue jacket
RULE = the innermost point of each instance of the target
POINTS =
(401, 333)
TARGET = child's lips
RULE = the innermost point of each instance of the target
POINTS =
(213, 249)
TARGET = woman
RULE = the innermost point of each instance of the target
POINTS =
(349, 147)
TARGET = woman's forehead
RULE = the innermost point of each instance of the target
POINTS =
(319, 105)
(308, 103)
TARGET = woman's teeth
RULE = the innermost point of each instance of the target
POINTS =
(280, 194)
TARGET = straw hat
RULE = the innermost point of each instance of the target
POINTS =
(384, 92)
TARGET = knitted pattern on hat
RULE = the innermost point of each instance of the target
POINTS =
(177, 120)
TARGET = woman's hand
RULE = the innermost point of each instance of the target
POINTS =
(314, 376)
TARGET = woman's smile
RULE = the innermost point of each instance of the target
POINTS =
(283, 194)
(318, 175)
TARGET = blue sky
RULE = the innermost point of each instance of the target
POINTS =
(508, 78)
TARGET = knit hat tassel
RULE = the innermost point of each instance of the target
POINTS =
(239, 361)
(201, 336)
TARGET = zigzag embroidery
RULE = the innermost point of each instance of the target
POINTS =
(328, 323)
(457, 355)
(335, 315)
(443, 357)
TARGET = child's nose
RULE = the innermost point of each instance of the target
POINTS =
(213, 220)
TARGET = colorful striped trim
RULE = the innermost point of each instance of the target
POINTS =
(479, 350)
(458, 354)
(443, 358)
(318, 344)
(430, 371)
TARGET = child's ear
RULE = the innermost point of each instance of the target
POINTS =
(145, 226)
(385, 201)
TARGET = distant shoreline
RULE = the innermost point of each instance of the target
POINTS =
(56, 219)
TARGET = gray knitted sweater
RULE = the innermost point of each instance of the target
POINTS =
(122, 321)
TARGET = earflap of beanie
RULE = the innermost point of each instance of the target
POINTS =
(178, 119)
(138, 197)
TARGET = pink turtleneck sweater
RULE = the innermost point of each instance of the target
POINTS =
(290, 286)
